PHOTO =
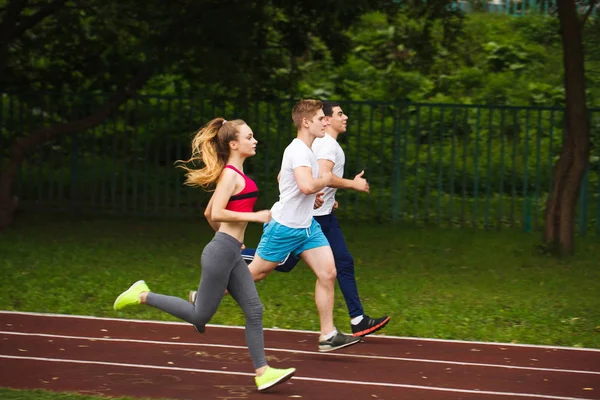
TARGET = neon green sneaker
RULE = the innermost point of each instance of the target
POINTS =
(131, 296)
(273, 376)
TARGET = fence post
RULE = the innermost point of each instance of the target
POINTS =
(583, 204)
(527, 221)
(74, 175)
(396, 164)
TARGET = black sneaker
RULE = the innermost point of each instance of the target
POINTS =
(338, 341)
(369, 325)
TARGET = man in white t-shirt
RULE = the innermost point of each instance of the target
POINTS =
(331, 158)
(293, 230)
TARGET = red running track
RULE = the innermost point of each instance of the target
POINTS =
(119, 357)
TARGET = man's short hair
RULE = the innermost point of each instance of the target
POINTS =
(328, 107)
(305, 108)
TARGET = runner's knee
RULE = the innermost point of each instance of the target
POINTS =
(344, 264)
(326, 273)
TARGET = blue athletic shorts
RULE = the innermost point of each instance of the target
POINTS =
(277, 241)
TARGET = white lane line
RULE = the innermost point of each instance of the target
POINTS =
(141, 321)
(275, 349)
(302, 378)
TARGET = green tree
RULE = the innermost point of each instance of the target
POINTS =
(559, 231)
(229, 48)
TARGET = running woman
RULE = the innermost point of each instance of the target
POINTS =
(222, 146)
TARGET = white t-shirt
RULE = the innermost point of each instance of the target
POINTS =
(294, 208)
(327, 148)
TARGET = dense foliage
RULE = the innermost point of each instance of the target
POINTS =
(428, 162)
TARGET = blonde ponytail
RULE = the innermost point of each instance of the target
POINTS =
(210, 146)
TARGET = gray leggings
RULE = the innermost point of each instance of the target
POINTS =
(222, 267)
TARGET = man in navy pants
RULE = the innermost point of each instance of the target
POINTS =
(331, 158)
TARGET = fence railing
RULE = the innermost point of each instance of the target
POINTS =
(513, 7)
(437, 164)
(510, 7)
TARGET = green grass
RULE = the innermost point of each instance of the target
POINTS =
(10, 394)
(451, 284)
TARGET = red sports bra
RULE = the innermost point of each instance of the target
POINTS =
(243, 201)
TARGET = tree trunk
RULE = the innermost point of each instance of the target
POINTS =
(22, 146)
(574, 157)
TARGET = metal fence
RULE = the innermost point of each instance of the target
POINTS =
(514, 7)
(429, 164)
(509, 7)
